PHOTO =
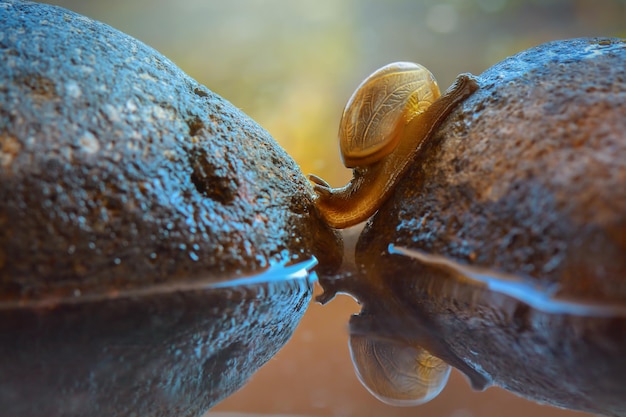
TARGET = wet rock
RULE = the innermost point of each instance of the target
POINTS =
(509, 233)
(127, 191)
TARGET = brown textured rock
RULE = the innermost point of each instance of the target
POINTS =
(526, 183)
(127, 190)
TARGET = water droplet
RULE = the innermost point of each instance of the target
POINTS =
(194, 256)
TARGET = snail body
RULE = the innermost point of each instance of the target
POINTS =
(384, 125)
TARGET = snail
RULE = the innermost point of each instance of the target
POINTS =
(385, 123)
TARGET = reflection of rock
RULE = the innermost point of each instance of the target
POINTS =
(527, 177)
(118, 173)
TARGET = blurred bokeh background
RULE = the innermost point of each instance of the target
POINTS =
(291, 65)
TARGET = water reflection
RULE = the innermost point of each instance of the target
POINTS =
(155, 350)
(311, 376)
(496, 328)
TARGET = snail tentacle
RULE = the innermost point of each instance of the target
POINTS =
(319, 182)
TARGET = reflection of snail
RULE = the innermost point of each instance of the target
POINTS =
(397, 373)
(386, 121)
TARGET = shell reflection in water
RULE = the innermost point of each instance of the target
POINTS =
(397, 373)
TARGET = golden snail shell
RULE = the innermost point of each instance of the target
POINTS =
(396, 373)
(375, 115)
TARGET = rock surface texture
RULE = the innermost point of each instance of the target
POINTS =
(126, 191)
(526, 180)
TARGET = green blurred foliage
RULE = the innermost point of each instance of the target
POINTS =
(291, 65)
